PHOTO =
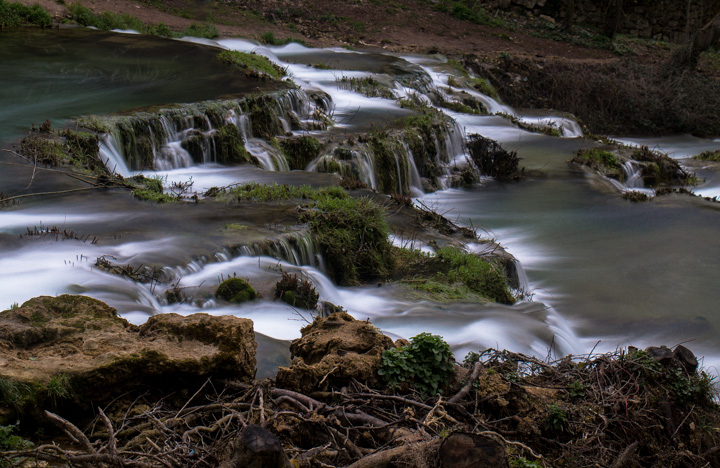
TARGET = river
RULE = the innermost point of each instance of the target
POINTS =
(603, 272)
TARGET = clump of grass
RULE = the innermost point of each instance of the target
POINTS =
(597, 159)
(484, 86)
(206, 30)
(58, 388)
(265, 193)
(153, 191)
(475, 273)
(253, 64)
(270, 39)
(352, 235)
(14, 14)
(367, 86)
(708, 156)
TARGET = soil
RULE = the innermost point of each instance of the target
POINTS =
(405, 26)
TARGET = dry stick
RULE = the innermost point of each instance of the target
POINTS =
(477, 368)
(400, 399)
(51, 193)
(262, 407)
(625, 455)
(191, 399)
(347, 443)
(511, 442)
(112, 443)
(71, 430)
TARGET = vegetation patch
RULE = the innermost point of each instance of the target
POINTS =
(708, 156)
(660, 169)
(236, 290)
(352, 236)
(265, 193)
(296, 291)
(602, 161)
(426, 365)
(78, 150)
(108, 20)
(152, 190)
(14, 14)
(253, 64)
(300, 151)
(367, 86)
(492, 159)
(230, 146)
(270, 39)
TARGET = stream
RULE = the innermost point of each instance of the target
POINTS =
(602, 272)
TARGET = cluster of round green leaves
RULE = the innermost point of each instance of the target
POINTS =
(425, 364)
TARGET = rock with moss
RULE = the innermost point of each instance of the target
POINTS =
(332, 352)
(71, 353)
(300, 151)
(235, 290)
(603, 161)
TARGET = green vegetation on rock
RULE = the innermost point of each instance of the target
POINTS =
(300, 151)
(14, 14)
(600, 160)
(269, 38)
(253, 64)
(708, 156)
(296, 291)
(152, 190)
(426, 365)
(236, 290)
(78, 150)
(352, 236)
(265, 193)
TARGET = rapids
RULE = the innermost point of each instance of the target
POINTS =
(598, 268)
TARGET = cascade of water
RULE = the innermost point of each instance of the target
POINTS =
(296, 249)
(633, 175)
(111, 156)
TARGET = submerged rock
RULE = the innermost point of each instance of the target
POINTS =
(76, 349)
(332, 352)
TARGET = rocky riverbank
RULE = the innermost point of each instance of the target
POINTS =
(89, 389)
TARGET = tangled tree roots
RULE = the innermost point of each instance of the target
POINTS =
(635, 408)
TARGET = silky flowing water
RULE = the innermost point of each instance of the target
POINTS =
(598, 267)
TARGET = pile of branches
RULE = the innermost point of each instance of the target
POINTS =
(624, 409)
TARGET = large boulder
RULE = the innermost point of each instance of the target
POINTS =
(332, 352)
(77, 350)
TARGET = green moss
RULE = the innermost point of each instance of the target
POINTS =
(252, 63)
(153, 191)
(600, 160)
(207, 30)
(367, 86)
(269, 38)
(352, 235)
(708, 156)
(14, 14)
(390, 163)
(230, 146)
(235, 290)
(484, 86)
(300, 151)
(78, 150)
(264, 193)
(477, 274)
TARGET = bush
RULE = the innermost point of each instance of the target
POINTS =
(236, 290)
(425, 364)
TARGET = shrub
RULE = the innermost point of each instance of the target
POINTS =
(425, 364)
(235, 290)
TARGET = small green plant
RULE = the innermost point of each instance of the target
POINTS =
(236, 290)
(270, 39)
(58, 387)
(425, 364)
(576, 390)
(523, 463)
(708, 156)
(153, 191)
(265, 193)
(10, 441)
(597, 158)
(555, 419)
(14, 306)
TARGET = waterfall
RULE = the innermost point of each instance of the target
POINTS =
(198, 133)
(296, 249)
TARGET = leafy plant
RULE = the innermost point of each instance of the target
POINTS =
(576, 389)
(14, 306)
(10, 441)
(555, 419)
(425, 364)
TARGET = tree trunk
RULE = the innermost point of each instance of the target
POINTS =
(688, 55)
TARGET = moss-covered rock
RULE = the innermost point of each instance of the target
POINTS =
(235, 290)
(300, 151)
(230, 146)
(70, 353)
